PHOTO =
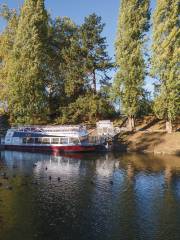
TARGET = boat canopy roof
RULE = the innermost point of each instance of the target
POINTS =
(25, 128)
(58, 130)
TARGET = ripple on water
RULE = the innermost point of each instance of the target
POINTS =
(129, 196)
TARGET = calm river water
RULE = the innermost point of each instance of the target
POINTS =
(89, 197)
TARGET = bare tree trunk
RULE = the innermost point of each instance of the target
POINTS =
(169, 126)
(131, 123)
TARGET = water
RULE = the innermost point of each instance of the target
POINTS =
(98, 197)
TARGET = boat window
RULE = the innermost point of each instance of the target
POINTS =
(84, 139)
(15, 139)
(55, 140)
(24, 140)
(74, 140)
(45, 140)
(29, 140)
(38, 140)
(63, 140)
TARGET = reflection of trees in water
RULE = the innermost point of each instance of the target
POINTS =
(159, 201)
(168, 174)
(167, 164)
(169, 214)
(104, 165)
(15, 204)
(138, 196)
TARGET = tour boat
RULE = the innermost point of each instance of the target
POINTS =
(49, 138)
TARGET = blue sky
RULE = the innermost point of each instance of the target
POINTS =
(78, 9)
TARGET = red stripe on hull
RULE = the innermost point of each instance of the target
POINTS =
(56, 149)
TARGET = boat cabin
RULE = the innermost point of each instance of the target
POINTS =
(58, 135)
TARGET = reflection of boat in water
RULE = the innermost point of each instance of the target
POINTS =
(26, 160)
(49, 138)
(103, 165)
(60, 163)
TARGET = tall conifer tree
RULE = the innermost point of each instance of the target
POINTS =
(28, 64)
(62, 31)
(165, 61)
(6, 45)
(132, 25)
(94, 47)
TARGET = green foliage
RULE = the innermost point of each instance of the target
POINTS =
(27, 65)
(81, 53)
(4, 122)
(69, 51)
(73, 67)
(165, 61)
(85, 58)
(94, 50)
(61, 31)
(129, 80)
(54, 69)
(88, 108)
(50, 68)
(6, 45)
(6, 13)
(145, 105)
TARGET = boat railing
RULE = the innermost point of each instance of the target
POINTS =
(57, 128)
(106, 129)
(96, 140)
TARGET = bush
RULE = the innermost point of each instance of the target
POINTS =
(88, 108)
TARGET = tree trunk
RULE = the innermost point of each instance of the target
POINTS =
(94, 81)
(168, 126)
(131, 124)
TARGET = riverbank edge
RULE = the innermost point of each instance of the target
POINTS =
(148, 142)
(145, 142)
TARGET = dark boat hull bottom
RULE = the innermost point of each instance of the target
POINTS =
(56, 149)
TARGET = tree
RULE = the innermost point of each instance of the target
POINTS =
(88, 108)
(61, 31)
(86, 60)
(94, 50)
(165, 60)
(85, 63)
(6, 45)
(73, 66)
(145, 105)
(27, 65)
(48, 65)
(128, 85)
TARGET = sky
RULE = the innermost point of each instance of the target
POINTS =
(78, 9)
